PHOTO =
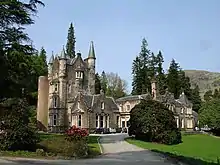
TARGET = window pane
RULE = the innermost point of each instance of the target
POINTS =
(79, 120)
(56, 87)
(101, 121)
(123, 123)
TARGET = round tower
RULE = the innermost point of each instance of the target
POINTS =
(62, 61)
(91, 66)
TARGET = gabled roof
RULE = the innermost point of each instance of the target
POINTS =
(184, 100)
(91, 100)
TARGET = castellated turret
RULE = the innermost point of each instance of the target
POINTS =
(66, 78)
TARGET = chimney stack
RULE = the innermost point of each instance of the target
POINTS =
(154, 88)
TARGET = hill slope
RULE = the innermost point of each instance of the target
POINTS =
(206, 80)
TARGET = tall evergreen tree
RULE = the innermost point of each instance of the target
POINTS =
(196, 99)
(97, 84)
(104, 82)
(141, 70)
(185, 85)
(137, 77)
(15, 48)
(161, 78)
(173, 81)
(71, 40)
(43, 61)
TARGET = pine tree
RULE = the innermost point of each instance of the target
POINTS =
(137, 78)
(43, 61)
(185, 85)
(141, 70)
(196, 99)
(161, 78)
(104, 82)
(173, 81)
(71, 40)
(97, 84)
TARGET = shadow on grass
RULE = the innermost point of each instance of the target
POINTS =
(184, 159)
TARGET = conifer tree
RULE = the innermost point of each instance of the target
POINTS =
(104, 82)
(196, 99)
(43, 61)
(137, 77)
(97, 84)
(173, 81)
(71, 40)
(161, 78)
(141, 70)
(185, 85)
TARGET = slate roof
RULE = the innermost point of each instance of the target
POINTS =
(134, 97)
(91, 100)
(169, 98)
(184, 100)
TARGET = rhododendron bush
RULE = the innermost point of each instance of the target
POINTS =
(76, 134)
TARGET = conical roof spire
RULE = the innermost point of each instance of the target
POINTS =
(51, 59)
(63, 54)
(91, 51)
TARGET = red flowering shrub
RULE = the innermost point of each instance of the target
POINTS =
(76, 134)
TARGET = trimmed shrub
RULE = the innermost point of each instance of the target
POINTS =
(18, 133)
(152, 121)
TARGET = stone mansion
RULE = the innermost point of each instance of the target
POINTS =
(66, 97)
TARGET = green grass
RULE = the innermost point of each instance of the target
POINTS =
(94, 149)
(53, 140)
(203, 148)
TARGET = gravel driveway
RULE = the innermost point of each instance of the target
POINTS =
(115, 152)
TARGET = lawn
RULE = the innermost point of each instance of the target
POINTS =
(55, 143)
(195, 149)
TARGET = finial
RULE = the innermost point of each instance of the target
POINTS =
(78, 53)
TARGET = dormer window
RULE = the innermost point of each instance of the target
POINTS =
(79, 74)
(102, 105)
